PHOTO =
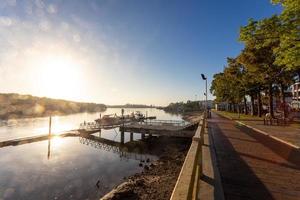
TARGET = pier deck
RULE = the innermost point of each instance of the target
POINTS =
(30, 139)
(161, 127)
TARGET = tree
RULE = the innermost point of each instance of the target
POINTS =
(228, 86)
(260, 39)
(288, 51)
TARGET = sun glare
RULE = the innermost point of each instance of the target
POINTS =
(56, 142)
(60, 77)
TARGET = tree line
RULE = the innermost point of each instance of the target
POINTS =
(16, 106)
(182, 107)
(267, 65)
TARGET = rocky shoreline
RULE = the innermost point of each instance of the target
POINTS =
(158, 178)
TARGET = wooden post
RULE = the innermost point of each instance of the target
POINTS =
(49, 138)
(143, 136)
(50, 123)
(122, 137)
(131, 137)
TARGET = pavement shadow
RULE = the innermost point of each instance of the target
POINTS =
(283, 150)
(238, 179)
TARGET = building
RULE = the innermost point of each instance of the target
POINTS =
(295, 89)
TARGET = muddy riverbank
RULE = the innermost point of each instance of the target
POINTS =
(158, 178)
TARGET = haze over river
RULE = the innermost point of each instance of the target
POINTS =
(69, 167)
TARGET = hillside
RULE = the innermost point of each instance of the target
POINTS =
(16, 106)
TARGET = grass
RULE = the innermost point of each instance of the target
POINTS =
(236, 116)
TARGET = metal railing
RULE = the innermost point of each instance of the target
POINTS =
(164, 122)
(187, 185)
(89, 125)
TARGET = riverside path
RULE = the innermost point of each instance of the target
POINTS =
(252, 166)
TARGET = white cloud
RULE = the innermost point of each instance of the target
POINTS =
(76, 37)
(6, 21)
(52, 9)
(45, 25)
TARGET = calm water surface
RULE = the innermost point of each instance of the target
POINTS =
(69, 167)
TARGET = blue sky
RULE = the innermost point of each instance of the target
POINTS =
(119, 51)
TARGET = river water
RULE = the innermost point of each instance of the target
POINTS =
(69, 167)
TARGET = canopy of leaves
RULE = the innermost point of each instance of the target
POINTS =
(288, 52)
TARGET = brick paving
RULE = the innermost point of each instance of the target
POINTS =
(253, 166)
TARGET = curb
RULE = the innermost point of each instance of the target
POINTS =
(263, 132)
(267, 134)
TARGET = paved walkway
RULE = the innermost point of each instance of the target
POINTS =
(289, 133)
(253, 166)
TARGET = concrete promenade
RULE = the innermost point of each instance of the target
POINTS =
(253, 166)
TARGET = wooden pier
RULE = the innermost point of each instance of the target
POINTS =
(134, 150)
(31, 139)
(170, 128)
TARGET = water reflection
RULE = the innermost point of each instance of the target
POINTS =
(16, 128)
(68, 167)
(54, 143)
(136, 150)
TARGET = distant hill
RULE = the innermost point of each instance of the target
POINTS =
(16, 106)
(131, 106)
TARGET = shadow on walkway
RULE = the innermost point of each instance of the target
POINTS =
(238, 179)
(285, 151)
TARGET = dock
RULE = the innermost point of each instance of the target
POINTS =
(170, 128)
(134, 150)
(36, 138)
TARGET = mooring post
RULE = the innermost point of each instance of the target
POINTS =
(122, 137)
(49, 138)
(50, 123)
(143, 136)
(131, 137)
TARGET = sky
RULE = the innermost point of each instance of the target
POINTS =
(120, 51)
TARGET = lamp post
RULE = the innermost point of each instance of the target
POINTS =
(205, 79)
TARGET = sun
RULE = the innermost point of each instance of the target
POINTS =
(60, 77)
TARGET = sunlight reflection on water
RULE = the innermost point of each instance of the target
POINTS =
(68, 167)
(16, 128)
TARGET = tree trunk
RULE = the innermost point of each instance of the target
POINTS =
(245, 106)
(252, 105)
(259, 107)
(283, 100)
(271, 110)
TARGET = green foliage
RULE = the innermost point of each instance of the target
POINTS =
(229, 85)
(288, 52)
(181, 107)
(269, 60)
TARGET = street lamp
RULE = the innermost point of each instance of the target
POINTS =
(205, 79)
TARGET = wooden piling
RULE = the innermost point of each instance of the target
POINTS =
(122, 137)
(50, 124)
(131, 137)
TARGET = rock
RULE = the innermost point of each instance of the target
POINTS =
(146, 167)
(140, 165)
(139, 182)
(148, 160)
(123, 191)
